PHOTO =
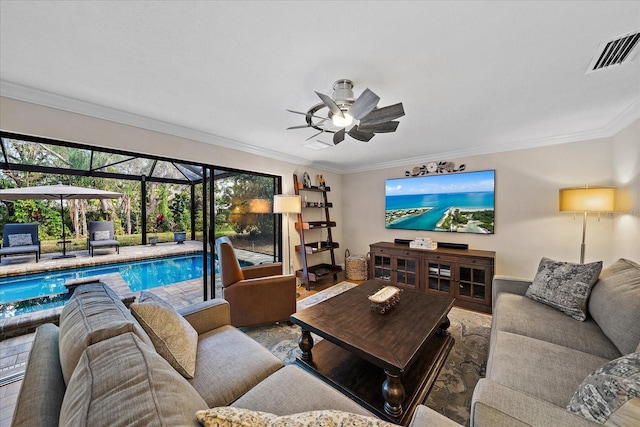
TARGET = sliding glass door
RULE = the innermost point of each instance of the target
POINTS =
(243, 211)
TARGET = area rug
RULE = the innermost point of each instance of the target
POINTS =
(452, 391)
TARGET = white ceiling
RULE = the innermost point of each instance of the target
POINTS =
(474, 77)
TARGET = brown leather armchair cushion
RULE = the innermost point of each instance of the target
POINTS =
(257, 294)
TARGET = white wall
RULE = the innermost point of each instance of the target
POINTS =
(626, 169)
(528, 223)
(31, 119)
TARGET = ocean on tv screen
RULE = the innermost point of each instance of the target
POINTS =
(464, 204)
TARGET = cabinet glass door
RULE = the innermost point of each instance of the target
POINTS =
(382, 267)
(472, 282)
(406, 272)
(439, 277)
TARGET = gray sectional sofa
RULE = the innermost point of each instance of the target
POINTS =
(539, 356)
(102, 367)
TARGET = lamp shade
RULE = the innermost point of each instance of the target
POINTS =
(587, 199)
(283, 203)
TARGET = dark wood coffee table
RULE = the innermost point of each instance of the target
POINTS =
(387, 363)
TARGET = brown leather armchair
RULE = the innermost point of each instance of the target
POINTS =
(256, 294)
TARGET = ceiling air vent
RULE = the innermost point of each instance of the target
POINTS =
(615, 52)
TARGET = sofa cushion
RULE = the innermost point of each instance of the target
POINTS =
(172, 336)
(564, 285)
(20, 240)
(122, 381)
(43, 386)
(281, 394)
(608, 389)
(233, 362)
(614, 304)
(93, 313)
(237, 417)
(547, 371)
(524, 316)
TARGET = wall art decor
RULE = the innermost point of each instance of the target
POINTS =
(435, 167)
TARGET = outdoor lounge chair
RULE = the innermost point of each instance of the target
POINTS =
(102, 235)
(257, 294)
(20, 239)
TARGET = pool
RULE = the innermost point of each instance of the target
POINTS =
(33, 292)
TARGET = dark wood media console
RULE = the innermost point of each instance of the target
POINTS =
(463, 274)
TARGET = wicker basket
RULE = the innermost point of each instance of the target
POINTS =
(355, 266)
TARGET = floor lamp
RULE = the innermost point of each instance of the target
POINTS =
(585, 200)
(287, 204)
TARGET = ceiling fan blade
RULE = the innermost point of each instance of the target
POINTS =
(383, 114)
(380, 127)
(365, 104)
(314, 135)
(338, 137)
(331, 104)
(299, 127)
(360, 136)
(309, 115)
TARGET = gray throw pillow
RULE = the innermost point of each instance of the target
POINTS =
(172, 335)
(603, 395)
(102, 235)
(565, 286)
(20, 240)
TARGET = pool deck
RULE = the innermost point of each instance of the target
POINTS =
(15, 265)
(178, 294)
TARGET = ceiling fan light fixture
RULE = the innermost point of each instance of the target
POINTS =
(360, 118)
(342, 122)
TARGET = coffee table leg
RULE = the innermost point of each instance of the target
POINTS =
(393, 394)
(306, 344)
(442, 329)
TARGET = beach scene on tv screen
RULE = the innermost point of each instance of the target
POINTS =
(462, 202)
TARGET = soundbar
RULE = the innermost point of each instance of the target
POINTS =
(440, 244)
(402, 241)
(453, 245)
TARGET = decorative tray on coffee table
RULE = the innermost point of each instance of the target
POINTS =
(384, 299)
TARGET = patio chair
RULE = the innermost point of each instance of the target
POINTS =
(256, 294)
(20, 239)
(102, 235)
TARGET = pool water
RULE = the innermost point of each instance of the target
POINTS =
(32, 292)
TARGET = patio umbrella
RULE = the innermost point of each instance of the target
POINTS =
(57, 192)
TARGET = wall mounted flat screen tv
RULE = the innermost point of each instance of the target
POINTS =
(457, 202)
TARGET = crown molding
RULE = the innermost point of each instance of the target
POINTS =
(52, 100)
(621, 121)
(60, 102)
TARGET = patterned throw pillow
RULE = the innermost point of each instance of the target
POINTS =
(20, 240)
(565, 286)
(608, 389)
(102, 235)
(172, 335)
(228, 416)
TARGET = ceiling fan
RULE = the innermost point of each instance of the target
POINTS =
(360, 118)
